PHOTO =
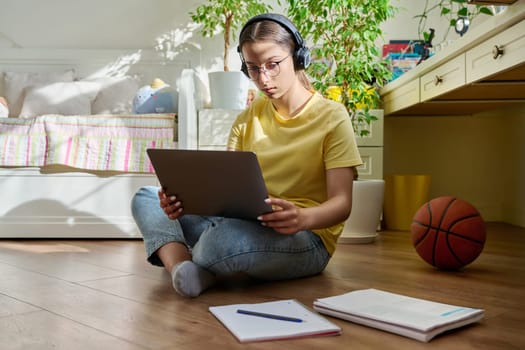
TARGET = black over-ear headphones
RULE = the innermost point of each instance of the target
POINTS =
(301, 55)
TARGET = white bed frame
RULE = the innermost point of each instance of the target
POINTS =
(37, 203)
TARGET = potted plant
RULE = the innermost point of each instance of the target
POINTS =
(226, 16)
(347, 66)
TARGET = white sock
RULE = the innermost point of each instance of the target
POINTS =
(190, 280)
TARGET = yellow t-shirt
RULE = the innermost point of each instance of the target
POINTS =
(295, 153)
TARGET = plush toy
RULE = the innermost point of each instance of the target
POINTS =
(158, 97)
(4, 109)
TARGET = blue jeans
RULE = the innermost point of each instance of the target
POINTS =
(226, 246)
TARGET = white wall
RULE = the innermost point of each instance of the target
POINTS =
(405, 24)
(138, 24)
(480, 158)
(90, 24)
(116, 24)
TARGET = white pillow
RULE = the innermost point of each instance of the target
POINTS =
(70, 98)
(116, 94)
(16, 82)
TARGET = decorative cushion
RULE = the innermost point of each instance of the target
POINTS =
(16, 82)
(115, 95)
(66, 98)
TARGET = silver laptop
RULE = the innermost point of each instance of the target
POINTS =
(215, 183)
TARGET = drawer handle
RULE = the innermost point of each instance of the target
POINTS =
(497, 51)
(438, 80)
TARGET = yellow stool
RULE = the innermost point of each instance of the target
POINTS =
(404, 195)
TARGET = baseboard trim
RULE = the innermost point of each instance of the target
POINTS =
(68, 227)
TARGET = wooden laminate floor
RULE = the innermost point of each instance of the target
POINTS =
(101, 294)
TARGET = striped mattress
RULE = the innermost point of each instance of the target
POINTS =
(94, 142)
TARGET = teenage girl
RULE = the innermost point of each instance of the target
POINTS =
(307, 151)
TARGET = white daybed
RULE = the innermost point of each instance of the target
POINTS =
(74, 176)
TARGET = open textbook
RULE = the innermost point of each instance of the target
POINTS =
(281, 319)
(411, 317)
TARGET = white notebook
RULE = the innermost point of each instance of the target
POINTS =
(248, 327)
(411, 317)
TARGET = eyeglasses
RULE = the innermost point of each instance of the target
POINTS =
(270, 69)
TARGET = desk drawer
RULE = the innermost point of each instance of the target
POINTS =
(503, 51)
(443, 79)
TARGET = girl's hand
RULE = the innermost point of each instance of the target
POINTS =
(286, 217)
(170, 205)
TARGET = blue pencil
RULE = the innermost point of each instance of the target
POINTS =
(272, 316)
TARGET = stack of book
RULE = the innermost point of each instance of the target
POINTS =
(411, 317)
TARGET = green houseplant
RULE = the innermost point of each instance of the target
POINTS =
(347, 66)
(228, 89)
(226, 16)
(346, 59)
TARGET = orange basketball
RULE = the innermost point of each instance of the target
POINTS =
(448, 233)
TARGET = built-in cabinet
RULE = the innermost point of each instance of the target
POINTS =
(213, 128)
(371, 149)
(484, 69)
